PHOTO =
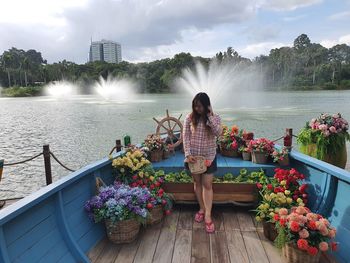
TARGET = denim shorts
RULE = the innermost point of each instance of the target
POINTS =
(211, 169)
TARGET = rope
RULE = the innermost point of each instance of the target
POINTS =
(27, 160)
(65, 167)
(278, 139)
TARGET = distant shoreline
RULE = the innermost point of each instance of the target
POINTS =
(37, 91)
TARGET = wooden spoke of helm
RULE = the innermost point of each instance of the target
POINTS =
(167, 126)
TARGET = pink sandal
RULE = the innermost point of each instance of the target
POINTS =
(199, 217)
(209, 227)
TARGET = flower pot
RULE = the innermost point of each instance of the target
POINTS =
(247, 156)
(166, 154)
(339, 159)
(121, 232)
(156, 215)
(270, 231)
(295, 255)
(228, 152)
(259, 157)
(156, 155)
(284, 162)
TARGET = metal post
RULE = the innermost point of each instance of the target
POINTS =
(47, 162)
(1, 168)
(118, 145)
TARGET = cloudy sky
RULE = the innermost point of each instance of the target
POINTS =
(153, 29)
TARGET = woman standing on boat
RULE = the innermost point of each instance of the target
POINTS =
(200, 130)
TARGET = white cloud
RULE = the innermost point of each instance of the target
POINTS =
(340, 16)
(288, 5)
(257, 49)
(328, 43)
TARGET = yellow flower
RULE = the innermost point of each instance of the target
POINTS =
(277, 210)
(262, 215)
(287, 192)
(151, 178)
(299, 200)
(272, 214)
(283, 182)
(141, 175)
(289, 200)
(258, 218)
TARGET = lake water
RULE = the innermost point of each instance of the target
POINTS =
(83, 129)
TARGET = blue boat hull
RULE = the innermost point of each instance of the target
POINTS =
(52, 226)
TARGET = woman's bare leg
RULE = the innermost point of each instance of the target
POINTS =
(198, 190)
(207, 183)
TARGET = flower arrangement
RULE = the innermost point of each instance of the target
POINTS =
(261, 145)
(154, 142)
(153, 181)
(118, 202)
(328, 132)
(304, 230)
(281, 156)
(126, 165)
(231, 138)
(284, 190)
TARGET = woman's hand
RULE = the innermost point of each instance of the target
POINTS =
(191, 159)
(210, 111)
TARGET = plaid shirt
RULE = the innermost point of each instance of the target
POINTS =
(201, 141)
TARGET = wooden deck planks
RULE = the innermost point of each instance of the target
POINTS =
(166, 241)
(178, 239)
(148, 243)
(182, 248)
(200, 246)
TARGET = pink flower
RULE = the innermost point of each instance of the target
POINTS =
(332, 129)
(283, 211)
(323, 246)
(311, 216)
(304, 233)
(300, 210)
(332, 233)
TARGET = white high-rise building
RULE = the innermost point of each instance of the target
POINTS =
(105, 50)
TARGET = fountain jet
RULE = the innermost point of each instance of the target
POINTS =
(120, 90)
(61, 89)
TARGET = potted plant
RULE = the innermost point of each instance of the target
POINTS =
(126, 165)
(230, 140)
(303, 235)
(281, 156)
(122, 209)
(160, 202)
(246, 154)
(260, 148)
(155, 146)
(325, 138)
(283, 191)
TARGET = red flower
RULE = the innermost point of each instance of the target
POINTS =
(294, 226)
(312, 225)
(151, 186)
(283, 222)
(302, 188)
(134, 177)
(167, 212)
(164, 202)
(302, 244)
(161, 191)
(259, 185)
(269, 186)
(157, 184)
(276, 217)
(312, 251)
(334, 246)
(149, 206)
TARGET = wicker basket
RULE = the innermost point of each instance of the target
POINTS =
(247, 156)
(123, 231)
(156, 215)
(156, 156)
(295, 255)
(270, 231)
(259, 157)
(228, 152)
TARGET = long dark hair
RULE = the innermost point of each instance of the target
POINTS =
(204, 99)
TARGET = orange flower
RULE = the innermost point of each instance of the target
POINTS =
(312, 251)
(294, 226)
(234, 129)
(302, 244)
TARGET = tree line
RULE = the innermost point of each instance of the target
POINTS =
(305, 65)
